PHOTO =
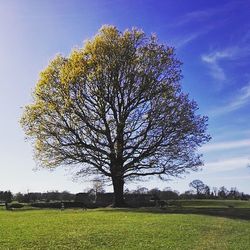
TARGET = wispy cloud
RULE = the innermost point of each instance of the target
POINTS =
(239, 101)
(180, 42)
(204, 14)
(226, 145)
(188, 38)
(214, 59)
(194, 16)
(197, 17)
(228, 164)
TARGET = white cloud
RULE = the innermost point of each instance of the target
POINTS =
(226, 145)
(213, 60)
(239, 101)
(227, 164)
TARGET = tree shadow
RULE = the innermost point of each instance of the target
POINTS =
(232, 213)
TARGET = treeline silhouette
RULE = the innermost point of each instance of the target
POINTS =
(138, 195)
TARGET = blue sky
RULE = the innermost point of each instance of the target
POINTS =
(212, 39)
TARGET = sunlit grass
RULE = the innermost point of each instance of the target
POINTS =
(118, 229)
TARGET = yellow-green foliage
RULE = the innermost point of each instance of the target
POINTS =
(115, 107)
(61, 88)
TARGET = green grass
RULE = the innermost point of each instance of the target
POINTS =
(214, 203)
(119, 229)
(224, 208)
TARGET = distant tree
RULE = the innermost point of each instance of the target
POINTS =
(155, 192)
(198, 185)
(215, 191)
(115, 108)
(189, 194)
(52, 196)
(126, 191)
(222, 192)
(67, 196)
(34, 197)
(96, 188)
(206, 191)
(19, 197)
(244, 196)
(169, 195)
(234, 193)
(140, 190)
(98, 185)
(6, 196)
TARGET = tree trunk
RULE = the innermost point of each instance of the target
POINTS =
(118, 185)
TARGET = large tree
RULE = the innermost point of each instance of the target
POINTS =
(198, 185)
(116, 109)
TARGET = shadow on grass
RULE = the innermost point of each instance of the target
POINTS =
(233, 213)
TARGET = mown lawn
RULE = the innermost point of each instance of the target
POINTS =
(213, 203)
(119, 229)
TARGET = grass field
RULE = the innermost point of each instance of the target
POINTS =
(119, 229)
(214, 203)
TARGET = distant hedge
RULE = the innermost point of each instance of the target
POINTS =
(58, 205)
(15, 205)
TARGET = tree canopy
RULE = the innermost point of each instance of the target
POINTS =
(115, 108)
(198, 185)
